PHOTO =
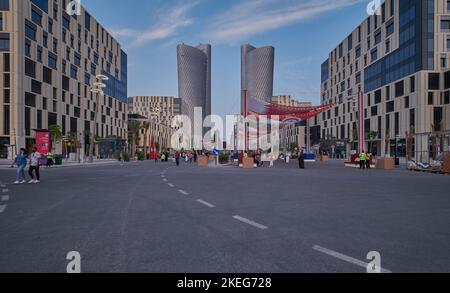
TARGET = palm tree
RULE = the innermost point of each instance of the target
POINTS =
(387, 142)
(410, 141)
(145, 126)
(133, 128)
(72, 138)
(56, 135)
(372, 135)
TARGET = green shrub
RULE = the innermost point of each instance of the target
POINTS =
(140, 156)
(223, 159)
(126, 156)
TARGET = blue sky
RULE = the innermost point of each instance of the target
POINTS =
(303, 32)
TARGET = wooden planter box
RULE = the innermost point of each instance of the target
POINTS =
(248, 163)
(447, 163)
(386, 163)
(202, 161)
(324, 158)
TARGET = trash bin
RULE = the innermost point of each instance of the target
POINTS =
(58, 160)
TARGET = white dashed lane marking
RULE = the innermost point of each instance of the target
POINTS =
(205, 203)
(250, 222)
(5, 190)
(165, 180)
(171, 185)
(183, 192)
(5, 197)
(345, 258)
(2, 208)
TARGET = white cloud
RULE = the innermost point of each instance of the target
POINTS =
(255, 17)
(166, 27)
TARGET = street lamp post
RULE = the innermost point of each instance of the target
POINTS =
(98, 91)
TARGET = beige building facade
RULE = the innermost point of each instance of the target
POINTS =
(399, 59)
(159, 112)
(49, 61)
(293, 133)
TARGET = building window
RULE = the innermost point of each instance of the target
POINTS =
(388, 46)
(36, 86)
(412, 84)
(430, 98)
(52, 60)
(378, 38)
(4, 42)
(47, 75)
(36, 17)
(374, 55)
(390, 107)
(73, 72)
(30, 68)
(42, 4)
(390, 29)
(30, 100)
(433, 81)
(358, 52)
(66, 23)
(406, 102)
(443, 62)
(445, 24)
(6, 80)
(30, 32)
(4, 5)
(399, 89)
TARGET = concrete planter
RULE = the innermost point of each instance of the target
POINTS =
(446, 168)
(248, 163)
(324, 158)
(202, 161)
(386, 163)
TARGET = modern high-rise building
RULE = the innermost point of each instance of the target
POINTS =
(194, 78)
(48, 62)
(159, 111)
(257, 71)
(399, 59)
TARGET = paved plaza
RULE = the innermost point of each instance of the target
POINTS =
(147, 217)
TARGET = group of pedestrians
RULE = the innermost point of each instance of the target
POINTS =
(21, 161)
(364, 160)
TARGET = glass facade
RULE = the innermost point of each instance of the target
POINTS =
(117, 88)
(416, 46)
(325, 72)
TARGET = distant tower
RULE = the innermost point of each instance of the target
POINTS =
(194, 78)
(257, 71)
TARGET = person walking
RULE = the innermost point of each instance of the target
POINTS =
(49, 159)
(21, 162)
(362, 160)
(177, 158)
(271, 158)
(301, 160)
(34, 166)
(368, 159)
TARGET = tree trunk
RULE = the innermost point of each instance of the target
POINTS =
(93, 133)
(145, 143)
(133, 145)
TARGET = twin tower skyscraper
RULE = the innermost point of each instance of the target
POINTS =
(194, 76)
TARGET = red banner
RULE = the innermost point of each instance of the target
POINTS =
(43, 141)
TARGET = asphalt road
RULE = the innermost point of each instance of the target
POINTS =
(147, 217)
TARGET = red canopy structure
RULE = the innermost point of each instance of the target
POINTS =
(286, 113)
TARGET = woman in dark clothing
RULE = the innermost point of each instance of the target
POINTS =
(301, 160)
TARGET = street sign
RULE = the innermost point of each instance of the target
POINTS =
(216, 152)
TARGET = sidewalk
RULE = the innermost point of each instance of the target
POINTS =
(6, 164)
